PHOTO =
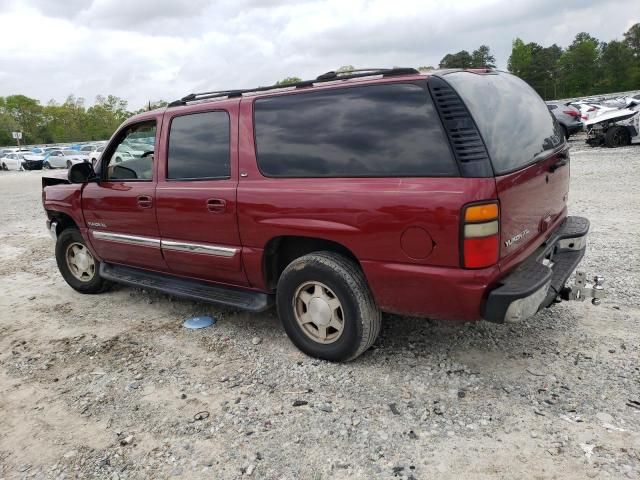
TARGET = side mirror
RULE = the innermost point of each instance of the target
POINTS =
(81, 173)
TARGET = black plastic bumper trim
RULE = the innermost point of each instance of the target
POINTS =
(532, 274)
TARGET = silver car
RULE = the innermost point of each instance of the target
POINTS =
(567, 116)
(64, 158)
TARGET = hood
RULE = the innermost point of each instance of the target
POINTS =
(33, 157)
(612, 116)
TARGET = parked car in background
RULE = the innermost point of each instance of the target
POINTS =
(21, 160)
(94, 155)
(32, 161)
(11, 161)
(63, 158)
(567, 116)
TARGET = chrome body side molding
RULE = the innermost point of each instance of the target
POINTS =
(206, 249)
(128, 239)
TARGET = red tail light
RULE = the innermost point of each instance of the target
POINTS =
(573, 113)
(480, 235)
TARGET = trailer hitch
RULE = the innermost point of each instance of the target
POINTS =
(582, 289)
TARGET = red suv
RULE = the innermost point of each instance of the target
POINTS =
(441, 195)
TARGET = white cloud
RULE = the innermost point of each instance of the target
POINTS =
(150, 49)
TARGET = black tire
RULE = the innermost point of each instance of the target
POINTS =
(617, 137)
(96, 284)
(361, 317)
(46, 166)
(4, 167)
(69, 164)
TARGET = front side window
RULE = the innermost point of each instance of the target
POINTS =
(127, 163)
(390, 130)
(199, 146)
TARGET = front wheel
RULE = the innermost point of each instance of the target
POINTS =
(69, 164)
(46, 166)
(76, 263)
(617, 137)
(326, 307)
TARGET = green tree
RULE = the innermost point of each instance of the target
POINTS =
(617, 67)
(579, 65)
(632, 39)
(345, 68)
(520, 58)
(461, 59)
(288, 81)
(482, 57)
(25, 114)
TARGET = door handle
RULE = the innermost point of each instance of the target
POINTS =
(216, 205)
(145, 201)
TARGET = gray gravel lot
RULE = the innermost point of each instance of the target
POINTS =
(110, 386)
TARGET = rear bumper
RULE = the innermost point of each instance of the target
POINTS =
(574, 128)
(539, 280)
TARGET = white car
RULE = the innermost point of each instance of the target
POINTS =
(21, 160)
(11, 161)
(95, 154)
(64, 158)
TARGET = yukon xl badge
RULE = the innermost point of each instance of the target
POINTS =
(516, 238)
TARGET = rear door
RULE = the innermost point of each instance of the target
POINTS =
(196, 194)
(529, 156)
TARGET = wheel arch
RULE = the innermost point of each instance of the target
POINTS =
(63, 221)
(282, 250)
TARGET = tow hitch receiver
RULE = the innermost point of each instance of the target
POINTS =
(582, 289)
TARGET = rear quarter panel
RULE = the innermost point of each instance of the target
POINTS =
(390, 224)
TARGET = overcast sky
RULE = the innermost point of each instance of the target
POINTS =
(145, 50)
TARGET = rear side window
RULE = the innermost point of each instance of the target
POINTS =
(372, 131)
(199, 146)
(515, 123)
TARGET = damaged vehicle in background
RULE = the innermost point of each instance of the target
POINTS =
(21, 160)
(616, 128)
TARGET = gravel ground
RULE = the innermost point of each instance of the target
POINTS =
(112, 386)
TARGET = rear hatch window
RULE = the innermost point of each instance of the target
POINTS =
(515, 123)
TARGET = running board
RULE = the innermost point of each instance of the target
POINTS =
(181, 287)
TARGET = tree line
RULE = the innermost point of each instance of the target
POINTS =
(70, 121)
(586, 67)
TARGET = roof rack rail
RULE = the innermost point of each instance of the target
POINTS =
(325, 77)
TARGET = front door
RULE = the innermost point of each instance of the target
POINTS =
(120, 210)
(196, 193)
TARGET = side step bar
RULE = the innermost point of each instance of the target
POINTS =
(181, 287)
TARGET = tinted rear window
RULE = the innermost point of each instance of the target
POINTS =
(514, 121)
(371, 131)
(199, 146)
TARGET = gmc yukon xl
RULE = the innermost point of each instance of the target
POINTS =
(441, 195)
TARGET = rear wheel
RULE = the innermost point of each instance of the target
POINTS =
(617, 137)
(326, 307)
(4, 166)
(69, 164)
(76, 263)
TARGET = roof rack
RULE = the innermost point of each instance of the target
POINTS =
(325, 77)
